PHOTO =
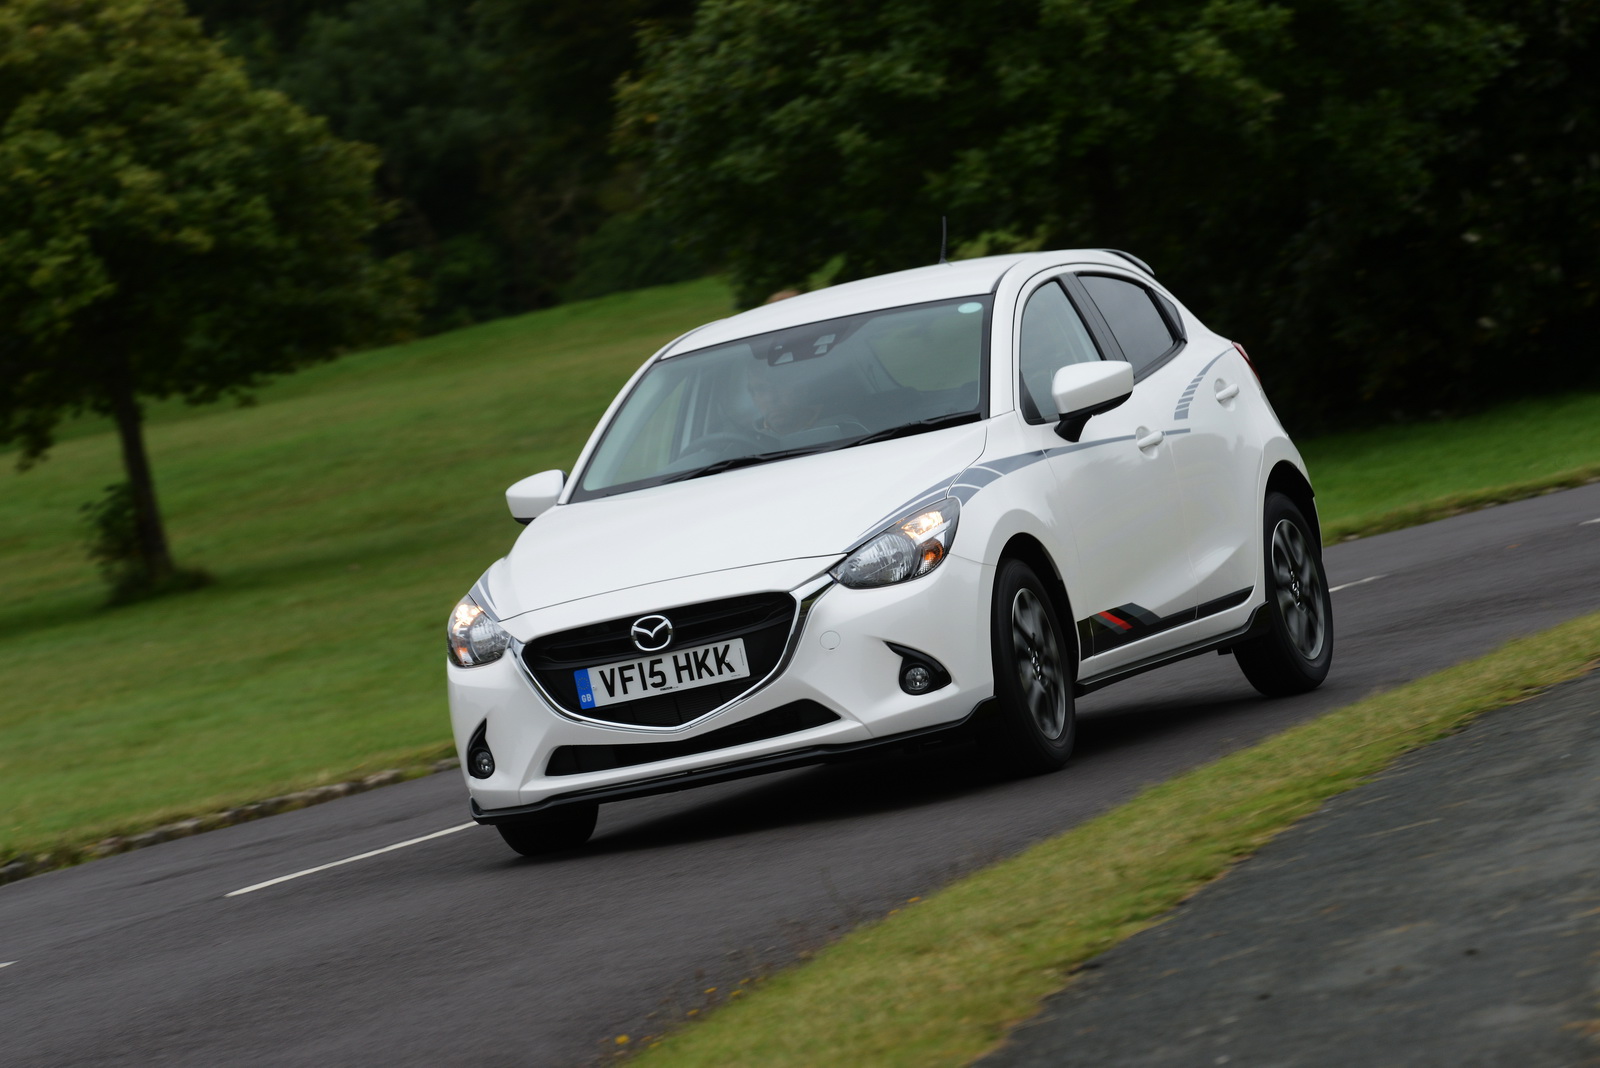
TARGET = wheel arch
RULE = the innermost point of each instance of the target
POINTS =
(1290, 481)
(1031, 551)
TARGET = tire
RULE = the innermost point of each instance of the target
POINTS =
(558, 830)
(1034, 668)
(1294, 654)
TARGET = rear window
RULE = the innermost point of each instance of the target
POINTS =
(1130, 310)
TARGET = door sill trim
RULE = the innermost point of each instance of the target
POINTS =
(1255, 625)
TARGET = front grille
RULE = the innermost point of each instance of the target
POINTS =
(763, 620)
(785, 719)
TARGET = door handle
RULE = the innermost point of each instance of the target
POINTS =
(1226, 392)
(1149, 439)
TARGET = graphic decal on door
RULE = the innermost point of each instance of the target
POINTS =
(963, 486)
(1126, 623)
(1119, 626)
(974, 478)
(1182, 411)
(969, 482)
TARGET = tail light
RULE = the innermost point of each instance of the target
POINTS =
(1247, 362)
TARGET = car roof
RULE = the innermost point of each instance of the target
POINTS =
(940, 281)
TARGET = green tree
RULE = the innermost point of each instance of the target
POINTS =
(493, 118)
(166, 230)
(788, 131)
(418, 80)
(1377, 196)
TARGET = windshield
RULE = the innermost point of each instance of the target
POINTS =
(813, 388)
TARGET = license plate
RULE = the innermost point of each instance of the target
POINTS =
(683, 669)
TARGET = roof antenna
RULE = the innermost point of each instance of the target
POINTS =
(944, 237)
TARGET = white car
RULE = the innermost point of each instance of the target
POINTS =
(867, 515)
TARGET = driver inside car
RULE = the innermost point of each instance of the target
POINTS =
(785, 396)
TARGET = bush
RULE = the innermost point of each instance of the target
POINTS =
(113, 544)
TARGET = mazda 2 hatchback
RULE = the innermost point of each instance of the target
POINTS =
(873, 514)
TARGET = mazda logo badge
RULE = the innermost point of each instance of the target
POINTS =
(652, 633)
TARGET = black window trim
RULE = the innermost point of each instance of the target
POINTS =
(1099, 336)
(1169, 312)
(1164, 308)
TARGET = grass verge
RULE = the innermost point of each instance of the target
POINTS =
(1388, 477)
(1410, 515)
(939, 982)
(67, 855)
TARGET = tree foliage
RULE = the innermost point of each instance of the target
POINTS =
(493, 120)
(1368, 192)
(166, 229)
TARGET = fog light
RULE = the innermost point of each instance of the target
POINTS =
(480, 762)
(919, 672)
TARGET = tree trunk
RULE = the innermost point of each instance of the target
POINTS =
(147, 517)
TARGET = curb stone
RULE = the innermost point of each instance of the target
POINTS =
(21, 867)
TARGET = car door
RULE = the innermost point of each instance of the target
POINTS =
(1217, 465)
(1116, 487)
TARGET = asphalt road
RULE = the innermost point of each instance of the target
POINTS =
(1446, 913)
(454, 950)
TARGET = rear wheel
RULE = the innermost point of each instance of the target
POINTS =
(556, 830)
(1033, 671)
(1294, 655)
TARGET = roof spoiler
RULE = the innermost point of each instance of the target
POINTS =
(1135, 260)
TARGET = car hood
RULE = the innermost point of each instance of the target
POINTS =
(807, 507)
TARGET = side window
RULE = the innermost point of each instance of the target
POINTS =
(1052, 336)
(1135, 321)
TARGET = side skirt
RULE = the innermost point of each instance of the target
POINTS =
(1128, 623)
(1257, 625)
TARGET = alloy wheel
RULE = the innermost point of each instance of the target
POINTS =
(1037, 652)
(1298, 585)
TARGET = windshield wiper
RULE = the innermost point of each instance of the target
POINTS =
(747, 461)
(938, 422)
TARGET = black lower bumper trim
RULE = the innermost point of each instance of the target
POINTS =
(685, 780)
(791, 718)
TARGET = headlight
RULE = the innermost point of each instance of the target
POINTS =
(910, 548)
(473, 637)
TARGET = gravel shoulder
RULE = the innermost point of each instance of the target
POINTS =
(1446, 913)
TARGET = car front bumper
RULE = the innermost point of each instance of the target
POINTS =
(838, 657)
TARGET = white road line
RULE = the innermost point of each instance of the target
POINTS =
(1587, 522)
(7, 964)
(1358, 582)
(349, 860)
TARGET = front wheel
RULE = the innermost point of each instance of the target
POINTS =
(1033, 671)
(555, 830)
(1294, 655)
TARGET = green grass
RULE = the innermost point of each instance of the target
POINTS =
(344, 514)
(1394, 476)
(940, 981)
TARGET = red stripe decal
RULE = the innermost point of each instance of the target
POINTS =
(1120, 624)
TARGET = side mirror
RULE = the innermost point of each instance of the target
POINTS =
(535, 495)
(1084, 390)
